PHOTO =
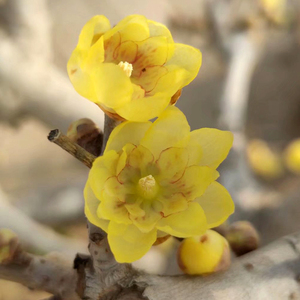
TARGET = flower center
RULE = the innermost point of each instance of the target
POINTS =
(148, 187)
(126, 67)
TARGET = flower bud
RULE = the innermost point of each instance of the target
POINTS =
(86, 134)
(242, 237)
(204, 254)
(8, 245)
(292, 156)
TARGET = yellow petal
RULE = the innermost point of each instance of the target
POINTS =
(158, 29)
(113, 87)
(143, 109)
(126, 150)
(91, 206)
(95, 56)
(187, 223)
(132, 28)
(215, 145)
(188, 58)
(173, 204)
(111, 208)
(128, 243)
(170, 128)
(217, 204)
(103, 168)
(140, 158)
(126, 133)
(81, 81)
(114, 188)
(154, 51)
(94, 28)
(194, 181)
(172, 163)
(126, 52)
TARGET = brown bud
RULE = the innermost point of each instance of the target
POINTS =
(86, 134)
(242, 237)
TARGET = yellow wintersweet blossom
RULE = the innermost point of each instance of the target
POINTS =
(156, 179)
(133, 70)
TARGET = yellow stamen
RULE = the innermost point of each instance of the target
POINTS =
(148, 187)
(126, 67)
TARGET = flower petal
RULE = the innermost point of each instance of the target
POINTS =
(170, 128)
(103, 168)
(172, 163)
(126, 133)
(92, 30)
(81, 81)
(140, 110)
(215, 145)
(173, 204)
(113, 87)
(128, 243)
(194, 181)
(158, 29)
(188, 58)
(111, 208)
(91, 206)
(184, 224)
(217, 204)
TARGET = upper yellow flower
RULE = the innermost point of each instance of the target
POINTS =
(133, 69)
(157, 179)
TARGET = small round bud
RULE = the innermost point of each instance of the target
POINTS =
(8, 244)
(204, 254)
(292, 156)
(242, 237)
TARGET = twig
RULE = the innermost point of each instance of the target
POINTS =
(74, 149)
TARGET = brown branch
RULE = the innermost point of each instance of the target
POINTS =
(75, 150)
(51, 273)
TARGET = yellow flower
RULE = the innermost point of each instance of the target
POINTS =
(132, 70)
(156, 179)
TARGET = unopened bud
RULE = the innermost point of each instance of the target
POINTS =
(8, 245)
(86, 134)
(205, 254)
(242, 237)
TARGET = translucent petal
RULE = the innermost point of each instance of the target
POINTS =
(81, 81)
(113, 87)
(126, 133)
(95, 56)
(188, 58)
(128, 243)
(215, 145)
(172, 163)
(173, 203)
(111, 208)
(170, 128)
(158, 29)
(194, 181)
(115, 188)
(96, 26)
(132, 28)
(103, 168)
(217, 204)
(140, 158)
(91, 206)
(141, 110)
(184, 224)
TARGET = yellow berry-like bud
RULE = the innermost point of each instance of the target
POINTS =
(204, 254)
(8, 242)
(292, 156)
(242, 237)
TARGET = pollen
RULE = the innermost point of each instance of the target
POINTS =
(148, 187)
(126, 67)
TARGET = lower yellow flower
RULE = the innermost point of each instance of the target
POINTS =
(156, 179)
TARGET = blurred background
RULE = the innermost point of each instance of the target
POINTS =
(249, 83)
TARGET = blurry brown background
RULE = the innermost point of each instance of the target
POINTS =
(249, 83)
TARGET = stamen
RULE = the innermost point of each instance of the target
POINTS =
(126, 67)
